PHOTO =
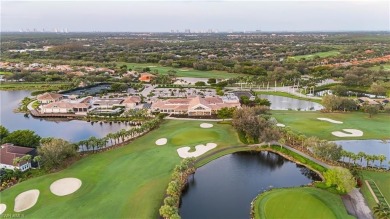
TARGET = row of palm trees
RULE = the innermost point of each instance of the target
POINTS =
(303, 143)
(370, 159)
(115, 138)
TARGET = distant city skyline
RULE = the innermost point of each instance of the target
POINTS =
(191, 16)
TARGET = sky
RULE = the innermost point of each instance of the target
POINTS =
(221, 15)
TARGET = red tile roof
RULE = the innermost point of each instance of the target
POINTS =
(9, 152)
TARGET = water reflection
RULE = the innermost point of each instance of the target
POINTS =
(225, 187)
(74, 130)
(286, 103)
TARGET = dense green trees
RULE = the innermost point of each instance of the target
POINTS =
(26, 138)
(55, 151)
(341, 178)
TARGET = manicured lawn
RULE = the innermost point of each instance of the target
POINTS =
(307, 123)
(127, 182)
(320, 54)
(184, 72)
(32, 86)
(382, 180)
(386, 67)
(299, 203)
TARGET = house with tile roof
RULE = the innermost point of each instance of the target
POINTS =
(8, 152)
(131, 102)
(195, 105)
(49, 98)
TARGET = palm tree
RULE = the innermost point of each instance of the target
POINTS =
(16, 161)
(110, 137)
(382, 211)
(381, 158)
(93, 142)
(361, 155)
(38, 160)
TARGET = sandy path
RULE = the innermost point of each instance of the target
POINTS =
(2, 208)
(199, 150)
(350, 133)
(356, 205)
(161, 141)
(330, 120)
(65, 186)
(206, 125)
(26, 200)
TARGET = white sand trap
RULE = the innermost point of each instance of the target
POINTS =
(330, 120)
(65, 186)
(184, 70)
(2, 208)
(206, 125)
(152, 66)
(26, 200)
(280, 125)
(200, 149)
(161, 141)
(350, 133)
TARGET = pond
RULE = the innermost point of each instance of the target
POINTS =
(73, 130)
(372, 147)
(225, 187)
(286, 103)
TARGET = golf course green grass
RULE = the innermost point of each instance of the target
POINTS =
(320, 54)
(126, 182)
(32, 86)
(184, 72)
(306, 123)
(299, 203)
(382, 180)
(386, 67)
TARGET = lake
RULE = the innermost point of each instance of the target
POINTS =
(73, 130)
(225, 187)
(372, 147)
(286, 103)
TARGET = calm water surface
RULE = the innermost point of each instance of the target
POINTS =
(74, 130)
(285, 103)
(372, 147)
(225, 187)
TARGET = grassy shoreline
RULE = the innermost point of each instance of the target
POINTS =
(10, 86)
(284, 94)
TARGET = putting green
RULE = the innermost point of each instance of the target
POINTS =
(299, 203)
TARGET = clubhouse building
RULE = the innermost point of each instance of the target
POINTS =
(195, 105)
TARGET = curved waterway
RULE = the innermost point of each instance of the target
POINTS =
(286, 103)
(225, 187)
(74, 130)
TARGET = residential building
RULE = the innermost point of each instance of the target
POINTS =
(195, 106)
(146, 77)
(131, 102)
(65, 107)
(8, 152)
(49, 98)
(108, 103)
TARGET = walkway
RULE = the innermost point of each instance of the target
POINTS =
(30, 105)
(355, 204)
(300, 153)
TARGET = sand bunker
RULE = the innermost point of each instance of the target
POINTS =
(330, 120)
(161, 141)
(152, 66)
(206, 125)
(280, 125)
(350, 133)
(26, 200)
(200, 149)
(65, 186)
(184, 70)
(2, 208)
